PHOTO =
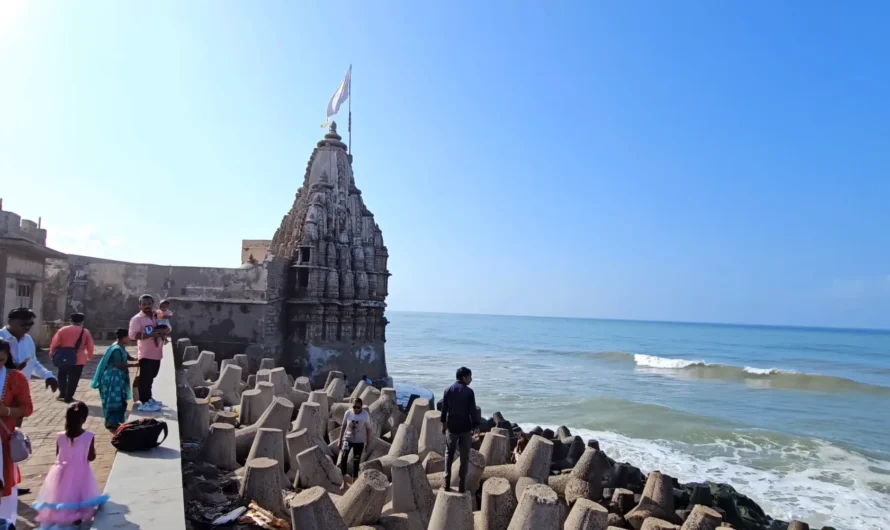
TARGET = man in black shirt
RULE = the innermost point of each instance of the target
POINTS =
(459, 419)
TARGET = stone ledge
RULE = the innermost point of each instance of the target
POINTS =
(146, 488)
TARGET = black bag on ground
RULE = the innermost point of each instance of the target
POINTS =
(139, 435)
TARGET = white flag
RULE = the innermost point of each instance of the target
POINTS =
(339, 97)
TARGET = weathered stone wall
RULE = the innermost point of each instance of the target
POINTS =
(220, 309)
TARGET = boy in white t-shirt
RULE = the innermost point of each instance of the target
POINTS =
(355, 432)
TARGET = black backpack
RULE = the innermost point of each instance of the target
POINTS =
(139, 435)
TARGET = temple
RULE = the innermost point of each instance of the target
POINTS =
(337, 279)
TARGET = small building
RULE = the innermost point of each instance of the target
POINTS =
(23, 255)
(254, 250)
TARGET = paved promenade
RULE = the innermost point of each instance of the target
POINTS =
(47, 420)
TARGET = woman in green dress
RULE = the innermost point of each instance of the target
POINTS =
(113, 381)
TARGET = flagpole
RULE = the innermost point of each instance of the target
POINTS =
(349, 126)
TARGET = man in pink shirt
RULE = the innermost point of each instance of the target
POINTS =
(150, 342)
(69, 337)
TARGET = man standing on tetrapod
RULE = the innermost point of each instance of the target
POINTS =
(460, 420)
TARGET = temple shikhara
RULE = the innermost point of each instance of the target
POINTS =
(337, 278)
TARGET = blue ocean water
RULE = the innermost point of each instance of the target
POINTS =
(796, 418)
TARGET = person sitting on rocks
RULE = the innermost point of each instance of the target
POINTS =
(521, 442)
(460, 418)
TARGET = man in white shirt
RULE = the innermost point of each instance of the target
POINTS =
(24, 351)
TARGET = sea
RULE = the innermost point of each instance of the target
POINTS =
(798, 419)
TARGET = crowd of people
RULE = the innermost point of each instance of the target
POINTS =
(70, 493)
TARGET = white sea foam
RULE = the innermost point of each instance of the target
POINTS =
(653, 361)
(828, 487)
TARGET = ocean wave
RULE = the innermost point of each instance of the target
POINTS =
(752, 376)
(814, 481)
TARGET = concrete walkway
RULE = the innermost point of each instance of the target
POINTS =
(146, 488)
(49, 419)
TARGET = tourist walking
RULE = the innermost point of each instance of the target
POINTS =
(70, 494)
(77, 338)
(354, 434)
(15, 404)
(112, 379)
(460, 418)
(150, 342)
(24, 352)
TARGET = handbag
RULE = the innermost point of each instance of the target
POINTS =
(19, 445)
(65, 356)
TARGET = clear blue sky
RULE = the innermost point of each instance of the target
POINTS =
(705, 161)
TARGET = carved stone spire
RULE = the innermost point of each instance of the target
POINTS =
(339, 277)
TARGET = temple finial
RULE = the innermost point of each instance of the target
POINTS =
(333, 127)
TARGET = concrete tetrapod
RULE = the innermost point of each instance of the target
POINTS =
(369, 396)
(313, 509)
(281, 387)
(190, 353)
(333, 374)
(317, 396)
(229, 383)
(657, 500)
(452, 511)
(474, 471)
(207, 360)
(585, 481)
(269, 443)
(302, 384)
(496, 448)
(534, 462)
(219, 448)
(404, 443)
(380, 412)
(654, 523)
(266, 364)
(433, 463)
(315, 469)
(359, 388)
(308, 418)
(194, 418)
(241, 360)
(363, 501)
(410, 490)
(251, 381)
(701, 518)
(336, 390)
(296, 442)
(222, 416)
(431, 437)
(193, 374)
(498, 504)
(276, 416)
(622, 500)
(587, 515)
(262, 483)
(254, 403)
(417, 412)
(538, 509)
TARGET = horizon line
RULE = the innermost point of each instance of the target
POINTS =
(648, 321)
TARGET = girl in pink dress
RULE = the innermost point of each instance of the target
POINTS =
(70, 494)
